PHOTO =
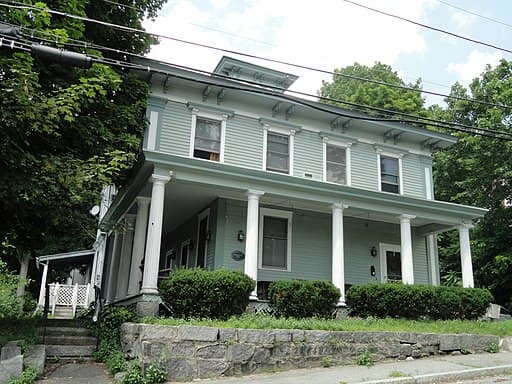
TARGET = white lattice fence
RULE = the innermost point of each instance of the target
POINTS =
(65, 295)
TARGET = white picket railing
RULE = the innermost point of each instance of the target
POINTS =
(74, 296)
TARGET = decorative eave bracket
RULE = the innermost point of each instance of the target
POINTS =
(206, 92)
(338, 122)
(220, 96)
(394, 135)
(431, 144)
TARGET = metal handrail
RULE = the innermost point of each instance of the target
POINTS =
(98, 308)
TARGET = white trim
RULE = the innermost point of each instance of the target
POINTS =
(283, 215)
(429, 193)
(152, 129)
(222, 118)
(348, 163)
(186, 244)
(383, 247)
(291, 144)
(432, 258)
(400, 172)
(201, 216)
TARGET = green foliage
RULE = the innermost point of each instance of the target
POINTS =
(326, 361)
(372, 94)
(66, 131)
(28, 376)
(10, 304)
(155, 374)
(116, 362)
(200, 293)
(493, 348)
(133, 374)
(109, 333)
(23, 329)
(303, 298)
(365, 359)
(417, 301)
(251, 321)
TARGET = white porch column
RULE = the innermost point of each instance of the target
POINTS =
(42, 290)
(338, 254)
(139, 243)
(465, 256)
(125, 259)
(251, 238)
(154, 236)
(114, 265)
(406, 249)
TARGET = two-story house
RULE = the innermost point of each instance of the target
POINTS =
(238, 174)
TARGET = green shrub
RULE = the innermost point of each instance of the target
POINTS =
(28, 376)
(200, 293)
(303, 298)
(133, 374)
(155, 374)
(417, 301)
(10, 304)
(109, 331)
(116, 362)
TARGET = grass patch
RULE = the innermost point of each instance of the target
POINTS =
(396, 374)
(23, 329)
(500, 328)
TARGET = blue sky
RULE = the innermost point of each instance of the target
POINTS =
(329, 34)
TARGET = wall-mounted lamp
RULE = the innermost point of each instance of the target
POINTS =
(373, 251)
(240, 236)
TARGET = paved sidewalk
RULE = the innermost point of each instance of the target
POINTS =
(77, 373)
(430, 370)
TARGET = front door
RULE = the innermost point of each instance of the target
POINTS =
(391, 263)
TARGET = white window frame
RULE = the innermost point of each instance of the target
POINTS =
(400, 173)
(348, 162)
(154, 117)
(282, 215)
(383, 247)
(281, 131)
(429, 192)
(184, 244)
(201, 216)
(222, 118)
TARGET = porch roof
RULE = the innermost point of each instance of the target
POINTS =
(232, 182)
(74, 256)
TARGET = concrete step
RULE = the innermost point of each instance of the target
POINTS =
(64, 331)
(69, 351)
(68, 340)
(52, 322)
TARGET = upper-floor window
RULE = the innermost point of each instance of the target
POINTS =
(336, 164)
(207, 141)
(278, 152)
(390, 174)
(275, 239)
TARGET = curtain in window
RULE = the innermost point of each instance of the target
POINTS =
(336, 164)
(275, 242)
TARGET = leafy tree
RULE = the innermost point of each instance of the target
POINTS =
(478, 171)
(66, 131)
(373, 94)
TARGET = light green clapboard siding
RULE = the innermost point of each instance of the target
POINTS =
(364, 166)
(311, 247)
(414, 176)
(308, 154)
(175, 129)
(244, 142)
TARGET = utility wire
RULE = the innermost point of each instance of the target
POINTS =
(471, 13)
(417, 119)
(429, 27)
(335, 74)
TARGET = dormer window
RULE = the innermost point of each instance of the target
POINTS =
(207, 141)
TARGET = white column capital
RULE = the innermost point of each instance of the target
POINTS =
(339, 205)
(160, 179)
(406, 217)
(465, 226)
(254, 194)
(130, 218)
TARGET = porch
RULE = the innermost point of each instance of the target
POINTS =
(195, 217)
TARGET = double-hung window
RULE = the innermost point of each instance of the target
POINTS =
(207, 140)
(389, 174)
(336, 164)
(278, 152)
(275, 239)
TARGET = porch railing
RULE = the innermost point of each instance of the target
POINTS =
(73, 296)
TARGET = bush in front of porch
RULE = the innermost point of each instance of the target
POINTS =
(417, 301)
(200, 293)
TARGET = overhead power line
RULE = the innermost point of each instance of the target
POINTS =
(473, 13)
(335, 74)
(429, 27)
(409, 118)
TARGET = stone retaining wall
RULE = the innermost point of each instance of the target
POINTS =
(189, 352)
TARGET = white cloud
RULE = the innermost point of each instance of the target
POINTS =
(463, 19)
(325, 34)
(474, 65)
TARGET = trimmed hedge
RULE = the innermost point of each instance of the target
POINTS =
(303, 298)
(417, 301)
(200, 293)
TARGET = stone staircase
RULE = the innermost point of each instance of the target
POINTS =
(66, 339)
